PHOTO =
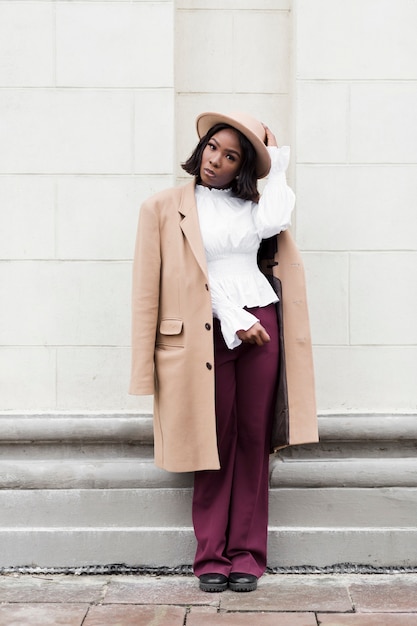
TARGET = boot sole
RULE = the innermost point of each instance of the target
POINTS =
(210, 588)
(242, 587)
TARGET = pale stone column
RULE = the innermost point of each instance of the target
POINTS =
(232, 56)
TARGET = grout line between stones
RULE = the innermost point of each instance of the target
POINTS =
(85, 615)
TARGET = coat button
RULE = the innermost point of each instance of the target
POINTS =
(209, 366)
(206, 286)
(208, 326)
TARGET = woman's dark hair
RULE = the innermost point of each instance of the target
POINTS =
(245, 185)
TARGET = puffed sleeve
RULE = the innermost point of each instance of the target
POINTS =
(273, 212)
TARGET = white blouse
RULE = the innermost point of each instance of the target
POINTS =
(232, 230)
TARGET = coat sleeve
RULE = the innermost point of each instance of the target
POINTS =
(145, 300)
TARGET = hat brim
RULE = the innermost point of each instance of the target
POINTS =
(205, 121)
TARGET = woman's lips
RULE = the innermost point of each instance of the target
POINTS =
(209, 173)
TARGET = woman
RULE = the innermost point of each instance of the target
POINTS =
(206, 340)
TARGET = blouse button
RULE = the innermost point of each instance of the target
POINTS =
(209, 366)
(206, 286)
(208, 327)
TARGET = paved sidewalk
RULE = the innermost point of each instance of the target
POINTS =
(280, 600)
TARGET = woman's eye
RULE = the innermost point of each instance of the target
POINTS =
(231, 158)
(211, 146)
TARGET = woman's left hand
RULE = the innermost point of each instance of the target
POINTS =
(255, 334)
(270, 137)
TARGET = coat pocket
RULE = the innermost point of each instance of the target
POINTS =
(170, 334)
(170, 326)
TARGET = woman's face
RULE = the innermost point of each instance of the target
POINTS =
(221, 159)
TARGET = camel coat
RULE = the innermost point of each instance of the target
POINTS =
(172, 336)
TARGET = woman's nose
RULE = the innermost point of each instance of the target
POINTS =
(215, 160)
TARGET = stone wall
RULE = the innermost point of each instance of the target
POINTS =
(97, 107)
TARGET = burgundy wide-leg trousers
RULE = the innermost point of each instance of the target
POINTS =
(230, 505)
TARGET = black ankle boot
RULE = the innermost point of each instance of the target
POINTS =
(213, 582)
(242, 582)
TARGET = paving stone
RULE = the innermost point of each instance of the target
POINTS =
(385, 594)
(51, 589)
(158, 590)
(291, 593)
(42, 614)
(208, 616)
(135, 615)
(369, 619)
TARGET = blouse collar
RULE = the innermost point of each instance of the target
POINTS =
(207, 190)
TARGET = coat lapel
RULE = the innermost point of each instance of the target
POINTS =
(190, 225)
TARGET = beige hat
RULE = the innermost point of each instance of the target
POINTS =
(248, 126)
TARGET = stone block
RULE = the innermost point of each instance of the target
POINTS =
(43, 614)
(289, 593)
(86, 469)
(204, 51)
(383, 298)
(96, 378)
(327, 277)
(154, 132)
(363, 428)
(28, 376)
(382, 127)
(178, 590)
(356, 39)
(27, 217)
(102, 44)
(97, 215)
(379, 547)
(362, 378)
(356, 207)
(261, 68)
(210, 39)
(135, 615)
(209, 616)
(65, 131)
(161, 505)
(89, 428)
(366, 619)
(75, 547)
(385, 595)
(284, 5)
(26, 44)
(66, 303)
(63, 589)
(322, 122)
(345, 473)
(364, 507)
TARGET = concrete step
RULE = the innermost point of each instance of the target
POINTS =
(169, 508)
(77, 547)
(83, 490)
(107, 470)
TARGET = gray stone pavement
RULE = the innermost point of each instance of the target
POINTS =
(280, 600)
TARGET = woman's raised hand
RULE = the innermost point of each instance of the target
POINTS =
(270, 137)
